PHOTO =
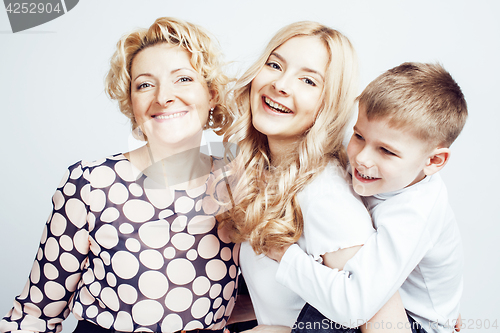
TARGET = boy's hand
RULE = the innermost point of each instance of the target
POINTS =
(277, 253)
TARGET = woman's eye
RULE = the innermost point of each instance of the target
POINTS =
(273, 65)
(185, 79)
(309, 82)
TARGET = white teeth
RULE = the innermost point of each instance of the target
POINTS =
(170, 116)
(276, 106)
(364, 176)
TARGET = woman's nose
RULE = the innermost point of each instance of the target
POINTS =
(281, 85)
(164, 96)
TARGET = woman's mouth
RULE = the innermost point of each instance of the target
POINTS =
(276, 106)
(164, 116)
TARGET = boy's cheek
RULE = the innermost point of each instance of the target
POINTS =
(350, 150)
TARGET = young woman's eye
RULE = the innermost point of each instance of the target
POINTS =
(273, 65)
(143, 85)
(357, 136)
(309, 82)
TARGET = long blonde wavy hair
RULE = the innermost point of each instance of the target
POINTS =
(206, 59)
(266, 210)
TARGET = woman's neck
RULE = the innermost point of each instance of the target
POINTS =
(280, 150)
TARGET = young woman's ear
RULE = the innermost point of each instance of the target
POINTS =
(437, 160)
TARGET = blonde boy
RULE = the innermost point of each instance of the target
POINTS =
(408, 118)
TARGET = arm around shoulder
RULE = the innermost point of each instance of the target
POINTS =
(370, 278)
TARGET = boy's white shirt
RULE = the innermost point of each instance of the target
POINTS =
(417, 249)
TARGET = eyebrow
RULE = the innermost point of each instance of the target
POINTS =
(306, 69)
(172, 72)
(389, 147)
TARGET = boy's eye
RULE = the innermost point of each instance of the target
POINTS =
(387, 152)
(357, 136)
(273, 65)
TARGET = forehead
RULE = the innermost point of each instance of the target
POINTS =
(308, 51)
(161, 55)
(381, 131)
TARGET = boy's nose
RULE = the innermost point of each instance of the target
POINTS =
(364, 158)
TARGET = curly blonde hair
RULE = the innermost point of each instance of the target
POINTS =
(205, 59)
(266, 211)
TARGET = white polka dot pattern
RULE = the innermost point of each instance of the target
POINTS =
(129, 255)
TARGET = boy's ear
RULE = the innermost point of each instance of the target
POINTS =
(436, 160)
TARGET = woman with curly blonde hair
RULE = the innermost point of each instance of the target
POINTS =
(132, 244)
(289, 180)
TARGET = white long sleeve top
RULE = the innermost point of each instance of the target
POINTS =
(334, 218)
(417, 249)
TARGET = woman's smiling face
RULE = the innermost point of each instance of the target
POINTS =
(286, 94)
(170, 99)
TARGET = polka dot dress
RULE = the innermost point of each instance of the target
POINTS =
(123, 252)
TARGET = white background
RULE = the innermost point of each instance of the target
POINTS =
(54, 111)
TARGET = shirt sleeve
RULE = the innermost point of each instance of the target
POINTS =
(334, 216)
(370, 278)
(56, 271)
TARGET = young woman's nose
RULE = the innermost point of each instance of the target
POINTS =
(164, 95)
(281, 85)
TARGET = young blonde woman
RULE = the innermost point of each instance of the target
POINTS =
(132, 244)
(290, 183)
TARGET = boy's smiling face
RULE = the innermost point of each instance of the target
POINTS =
(384, 158)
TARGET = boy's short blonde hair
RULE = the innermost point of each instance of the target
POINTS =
(422, 98)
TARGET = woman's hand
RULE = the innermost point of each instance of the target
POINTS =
(269, 329)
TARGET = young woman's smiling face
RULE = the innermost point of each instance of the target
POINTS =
(170, 99)
(286, 93)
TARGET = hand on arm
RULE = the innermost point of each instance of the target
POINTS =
(339, 258)
(392, 314)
